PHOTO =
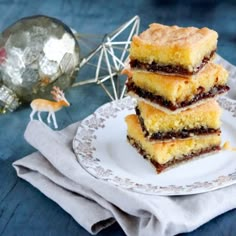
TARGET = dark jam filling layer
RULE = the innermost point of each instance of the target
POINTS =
(160, 167)
(216, 90)
(172, 69)
(185, 133)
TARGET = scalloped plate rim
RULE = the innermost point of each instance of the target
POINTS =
(96, 169)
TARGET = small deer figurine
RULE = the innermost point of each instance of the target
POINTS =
(43, 105)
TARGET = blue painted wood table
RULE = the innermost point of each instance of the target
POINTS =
(23, 209)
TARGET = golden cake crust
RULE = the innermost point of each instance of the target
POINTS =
(159, 35)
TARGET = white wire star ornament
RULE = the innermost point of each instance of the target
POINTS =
(109, 59)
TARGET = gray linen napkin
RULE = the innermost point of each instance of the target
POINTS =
(95, 204)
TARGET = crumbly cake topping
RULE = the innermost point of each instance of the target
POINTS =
(174, 35)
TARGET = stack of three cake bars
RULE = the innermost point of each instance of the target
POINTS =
(172, 75)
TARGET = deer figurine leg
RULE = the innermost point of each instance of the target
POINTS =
(32, 114)
(39, 117)
(48, 118)
(54, 120)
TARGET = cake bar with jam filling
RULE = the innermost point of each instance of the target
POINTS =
(172, 93)
(173, 49)
(157, 125)
(164, 155)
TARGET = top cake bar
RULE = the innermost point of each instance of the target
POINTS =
(173, 49)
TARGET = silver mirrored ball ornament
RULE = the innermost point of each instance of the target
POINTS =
(36, 53)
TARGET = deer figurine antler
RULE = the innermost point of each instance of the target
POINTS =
(43, 105)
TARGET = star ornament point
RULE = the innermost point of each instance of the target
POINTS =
(108, 59)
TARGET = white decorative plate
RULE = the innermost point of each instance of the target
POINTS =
(102, 150)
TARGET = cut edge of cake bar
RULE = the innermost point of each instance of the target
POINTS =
(162, 154)
(157, 125)
(177, 93)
